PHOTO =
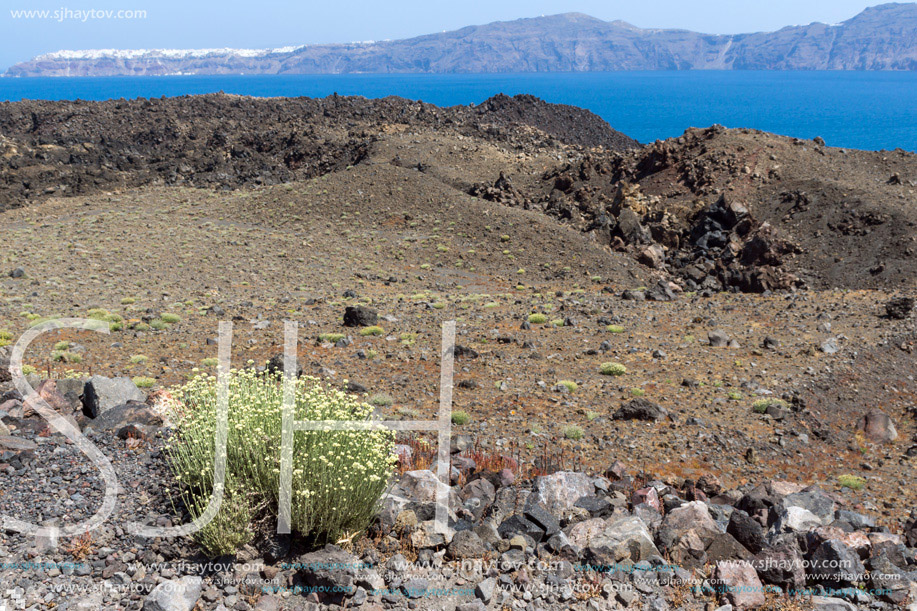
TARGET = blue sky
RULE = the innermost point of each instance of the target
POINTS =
(276, 23)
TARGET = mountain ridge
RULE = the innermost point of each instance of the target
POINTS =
(882, 37)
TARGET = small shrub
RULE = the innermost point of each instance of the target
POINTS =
(138, 359)
(439, 305)
(557, 322)
(590, 415)
(63, 356)
(537, 319)
(210, 362)
(28, 370)
(853, 482)
(4, 334)
(734, 395)
(144, 382)
(460, 418)
(331, 338)
(637, 392)
(614, 329)
(128, 301)
(573, 432)
(337, 476)
(62, 346)
(170, 319)
(569, 385)
(408, 339)
(374, 330)
(381, 400)
(158, 325)
(142, 326)
(612, 369)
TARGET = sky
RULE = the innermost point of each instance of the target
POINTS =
(278, 23)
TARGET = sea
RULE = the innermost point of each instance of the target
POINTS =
(862, 110)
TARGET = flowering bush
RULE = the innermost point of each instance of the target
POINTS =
(338, 476)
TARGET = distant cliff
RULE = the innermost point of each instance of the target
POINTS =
(880, 38)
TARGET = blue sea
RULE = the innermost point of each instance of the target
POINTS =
(866, 110)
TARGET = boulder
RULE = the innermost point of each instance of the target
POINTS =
(620, 538)
(640, 409)
(877, 427)
(746, 531)
(121, 416)
(174, 595)
(466, 544)
(337, 571)
(100, 394)
(718, 339)
(900, 308)
(781, 565)
(794, 519)
(360, 316)
(835, 565)
(559, 492)
(739, 584)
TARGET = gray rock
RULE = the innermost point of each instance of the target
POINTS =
(466, 544)
(834, 564)
(824, 603)
(718, 339)
(100, 394)
(829, 346)
(559, 492)
(120, 416)
(484, 591)
(175, 595)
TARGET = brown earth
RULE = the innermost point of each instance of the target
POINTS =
(397, 226)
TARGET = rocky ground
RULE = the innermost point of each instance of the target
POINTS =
(754, 289)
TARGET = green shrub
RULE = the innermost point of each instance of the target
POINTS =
(158, 325)
(138, 359)
(637, 392)
(4, 334)
(144, 382)
(331, 338)
(374, 330)
(338, 476)
(381, 400)
(557, 322)
(538, 319)
(569, 385)
(460, 418)
(63, 356)
(128, 301)
(734, 395)
(170, 318)
(210, 362)
(573, 432)
(614, 329)
(851, 481)
(62, 346)
(28, 370)
(612, 369)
